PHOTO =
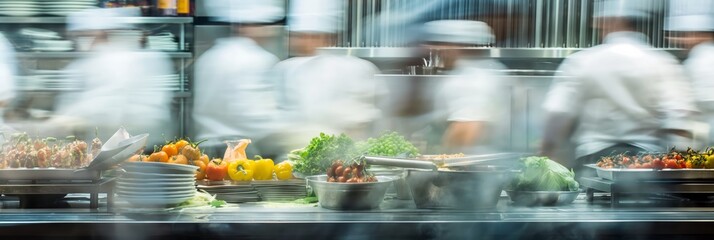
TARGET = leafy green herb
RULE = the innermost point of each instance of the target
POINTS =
(321, 152)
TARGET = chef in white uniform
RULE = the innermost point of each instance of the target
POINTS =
(321, 92)
(691, 25)
(470, 108)
(234, 97)
(118, 80)
(7, 74)
(620, 96)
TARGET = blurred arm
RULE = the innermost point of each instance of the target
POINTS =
(562, 104)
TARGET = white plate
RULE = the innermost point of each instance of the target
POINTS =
(154, 202)
(18, 14)
(162, 182)
(175, 194)
(162, 168)
(159, 175)
(51, 49)
(138, 184)
(157, 190)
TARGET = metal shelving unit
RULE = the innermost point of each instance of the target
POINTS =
(63, 20)
(71, 55)
(183, 57)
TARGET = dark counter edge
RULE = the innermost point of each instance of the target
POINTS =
(359, 230)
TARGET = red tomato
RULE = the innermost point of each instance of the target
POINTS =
(646, 165)
(678, 157)
(658, 164)
(671, 163)
(682, 164)
(217, 170)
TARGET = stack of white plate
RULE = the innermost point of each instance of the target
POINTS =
(170, 82)
(285, 190)
(148, 184)
(45, 40)
(19, 8)
(162, 42)
(65, 7)
(232, 193)
(50, 80)
(129, 38)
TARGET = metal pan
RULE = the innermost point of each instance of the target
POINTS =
(653, 175)
(47, 174)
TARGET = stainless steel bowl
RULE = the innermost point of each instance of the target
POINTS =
(399, 188)
(542, 198)
(443, 189)
(349, 196)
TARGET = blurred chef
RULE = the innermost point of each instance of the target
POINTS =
(234, 97)
(118, 80)
(469, 107)
(7, 74)
(320, 92)
(691, 25)
(620, 96)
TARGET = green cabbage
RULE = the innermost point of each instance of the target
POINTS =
(543, 174)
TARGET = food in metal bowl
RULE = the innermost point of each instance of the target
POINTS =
(349, 196)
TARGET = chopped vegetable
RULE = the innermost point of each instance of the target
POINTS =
(306, 200)
(543, 174)
(202, 199)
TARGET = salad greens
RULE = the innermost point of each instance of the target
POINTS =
(321, 152)
(543, 174)
(202, 199)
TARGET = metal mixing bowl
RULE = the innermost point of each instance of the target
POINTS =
(349, 196)
(479, 188)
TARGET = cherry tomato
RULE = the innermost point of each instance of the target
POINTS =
(671, 163)
(159, 157)
(170, 149)
(658, 164)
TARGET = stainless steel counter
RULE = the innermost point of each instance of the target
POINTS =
(396, 219)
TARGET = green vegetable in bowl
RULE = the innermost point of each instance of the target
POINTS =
(388, 145)
(543, 174)
(321, 152)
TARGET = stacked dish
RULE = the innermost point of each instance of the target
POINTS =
(170, 82)
(52, 80)
(38, 39)
(283, 190)
(162, 42)
(19, 8)
(232, 193)
(65, 7)
(149, 184)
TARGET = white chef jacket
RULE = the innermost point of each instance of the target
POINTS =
(120, 90)
(7, 70)
(475, 91)
(233, 93)
(622, 91)
(700, 69)
(329, 93)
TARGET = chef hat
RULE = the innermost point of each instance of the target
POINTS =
(690, 15)
(101, 19)
(321, 16)
(626, 8)
(459, 32)
(246, 11)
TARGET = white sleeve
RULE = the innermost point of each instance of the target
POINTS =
(701, 72)
(565, 95)
(678, 102)
(471, 97)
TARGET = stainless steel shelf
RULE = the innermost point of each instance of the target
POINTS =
(62, 20)
(511, 53)
(71, 55)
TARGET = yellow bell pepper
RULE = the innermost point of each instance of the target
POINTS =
(241, 170)
(283, 171)
(263, 169)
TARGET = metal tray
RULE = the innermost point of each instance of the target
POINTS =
(47, 174)
(653, 175)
